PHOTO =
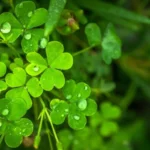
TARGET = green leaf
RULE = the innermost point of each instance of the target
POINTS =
(38, 17)
(76, 120)
(3, 86)
(23, 11)
(30, 17)
(93, 34)
(37, 64)
(109, 111)
(20, 92)
(25, 125)
(13, 109)
(13, 139)
(50, 78)
(91, 108)
(10, 28)
(54, 12)
(68, 89)
(17, 78)
(111, 45)
(18, 62)
(108, 128)
(56, 58)
(34, 87)
(31, 39)
(3, 69)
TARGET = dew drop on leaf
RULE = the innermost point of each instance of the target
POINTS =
(6, 27)
(27, 36)
(76, 117)
(68, 96)
(85, 87)
(66, 110)
(82, 104)
(79, 95)
(30, 14)
(5, 112)
(43, 42)
(36, 68)
(21, 5)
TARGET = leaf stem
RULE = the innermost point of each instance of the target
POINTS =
(1, 138)
(82, 51)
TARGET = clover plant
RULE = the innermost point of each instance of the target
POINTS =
(55, 69)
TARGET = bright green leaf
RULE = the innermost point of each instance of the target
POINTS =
(17, 78)
(34, 87)
(3, 86)
(3, 69)
(10, 28)
(93, 34)
(20, 92)
(50, 78)
(18, 62)
(25, 125)
(91, 108)
(31, 39)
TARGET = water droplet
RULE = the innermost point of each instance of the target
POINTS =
(43, 42)
(62, 115)
(30, 14)
(27, 36)
(0, 123)
(21, 5)
(36, 68)
(85, 87)
(66, 110)
(68, 96)
(6, 27)
(82, 104)
(76, 117)
(79, 95)
(5, 112)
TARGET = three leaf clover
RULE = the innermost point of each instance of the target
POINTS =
(108, 113)
(76, 106)
(50, 68)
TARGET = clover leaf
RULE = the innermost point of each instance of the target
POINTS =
(30, 17)
(13, 109)
(108, 128)
(20, 92)
(34, 88)
(16, 131)
(31, 39)
(10, 28)
(18, 62)
(56, 59)
(3, 69)
(109, 111)
(59, 111)
(111, 45)
(17, 78)
(3, 86)
(93, 34)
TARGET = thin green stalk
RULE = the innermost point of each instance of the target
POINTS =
(82, 51)
(1, 138)
(128, 98)
(48, 135)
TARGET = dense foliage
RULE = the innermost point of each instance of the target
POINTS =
(74, 75)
